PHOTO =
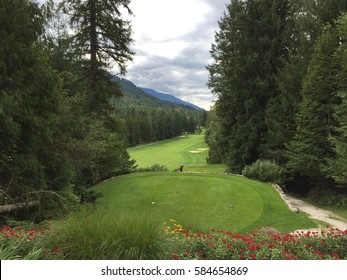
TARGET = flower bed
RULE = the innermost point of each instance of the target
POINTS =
(17, 243)
(185, 244)
(261, 244)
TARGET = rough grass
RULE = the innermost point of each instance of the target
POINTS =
(203, 201)
(90, 235)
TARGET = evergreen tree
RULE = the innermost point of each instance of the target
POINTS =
(248, 53)
(308, 17)
(338, 164)
(31, 163)
(310, 149)
(213, 138)
(102, 34)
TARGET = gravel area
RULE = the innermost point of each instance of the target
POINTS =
(314, 212)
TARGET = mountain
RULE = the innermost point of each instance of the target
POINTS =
(169, 98)
(134, 96)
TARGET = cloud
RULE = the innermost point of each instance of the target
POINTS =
(173, 39)
(172, 43)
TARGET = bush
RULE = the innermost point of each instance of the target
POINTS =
(265, 171)
(329, 195)
(154, 167)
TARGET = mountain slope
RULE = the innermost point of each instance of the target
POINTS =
(168, 97)
(134, 96)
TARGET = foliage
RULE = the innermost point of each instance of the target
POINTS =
(88, 235)
(337, 166)
(26, 244)
(248, 52)
(309, 149)
(260, 244)
(154, 167)
(213, 138)
(103, 35)
(51, 147)
(282, 102)
(265, 171)
(329, 195)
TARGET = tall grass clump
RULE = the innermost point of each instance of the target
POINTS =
(265, 171)
(90, 235)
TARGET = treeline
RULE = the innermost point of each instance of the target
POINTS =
(279, 72)
(144, 126)
(58, 132)
(148, 119)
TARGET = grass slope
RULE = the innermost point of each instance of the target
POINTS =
(203, 201)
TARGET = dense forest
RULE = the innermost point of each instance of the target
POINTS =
(279, 73)
(148, 119)
(63, 126)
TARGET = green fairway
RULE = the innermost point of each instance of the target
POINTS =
(203, 201)
(188, 150)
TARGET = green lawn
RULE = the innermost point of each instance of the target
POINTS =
(203, 201)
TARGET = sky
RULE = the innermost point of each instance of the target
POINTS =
(172, 43)
(172, 40)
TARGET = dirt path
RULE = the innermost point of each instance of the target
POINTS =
(318, 213)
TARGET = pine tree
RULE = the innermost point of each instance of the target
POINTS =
(248, 52)
(337, 165)
(102, 34)
(308, 17)
(310, 149)
(31, 163)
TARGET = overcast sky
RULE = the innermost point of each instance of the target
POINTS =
(172, 43)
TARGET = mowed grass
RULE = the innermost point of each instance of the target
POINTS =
(203, 201)
(188, 150)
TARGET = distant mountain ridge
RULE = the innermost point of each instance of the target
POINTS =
(146, 97)
(134, 96)
(168, 97)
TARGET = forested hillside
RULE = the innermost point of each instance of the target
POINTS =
(148, 119)
(279, 72)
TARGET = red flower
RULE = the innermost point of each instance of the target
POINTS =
(57, 251)
(176, 257)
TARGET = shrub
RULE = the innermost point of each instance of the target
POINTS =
(154, 167)
(329, 195)
(265, 171)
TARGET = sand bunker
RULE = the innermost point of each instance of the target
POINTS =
(202, 149)
(195, 152)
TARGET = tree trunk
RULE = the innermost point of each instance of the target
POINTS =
(8, 208)
(93, 56)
